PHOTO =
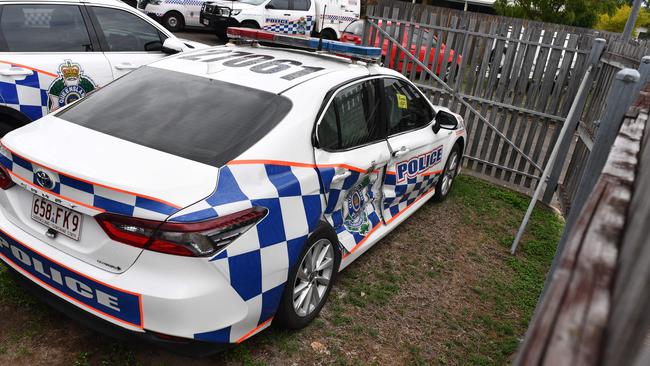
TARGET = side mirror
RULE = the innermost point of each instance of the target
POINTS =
(172, 46)
(270, 6)
(446, 121)
(436, 127)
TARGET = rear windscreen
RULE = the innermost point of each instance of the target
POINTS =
(201, 119)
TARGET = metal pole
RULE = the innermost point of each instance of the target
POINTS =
(574, 113)
(631, 21)
(572, 124)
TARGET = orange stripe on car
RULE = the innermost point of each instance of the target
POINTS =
(94, 183)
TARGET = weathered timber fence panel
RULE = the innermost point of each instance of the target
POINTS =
(518, 77)
(619, 55)
(594, 311)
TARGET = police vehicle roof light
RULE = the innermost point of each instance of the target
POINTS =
(336, 47)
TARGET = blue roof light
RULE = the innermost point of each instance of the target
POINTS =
(335, 47)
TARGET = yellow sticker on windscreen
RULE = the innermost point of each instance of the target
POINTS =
(401, 101)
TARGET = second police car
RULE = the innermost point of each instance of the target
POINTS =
(55, 52)
(205, 211)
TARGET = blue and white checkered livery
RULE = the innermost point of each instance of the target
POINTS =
(230, 200)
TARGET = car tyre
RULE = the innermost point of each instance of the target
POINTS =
(250, 24)
(7, 125)
(311, 280)
(173, 21)
(443, 187)
(329, 34)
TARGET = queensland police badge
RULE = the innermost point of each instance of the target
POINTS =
(70, 85)
(355, 217)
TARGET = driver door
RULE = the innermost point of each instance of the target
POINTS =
(351, 154)
(417, 154)
(128, 41)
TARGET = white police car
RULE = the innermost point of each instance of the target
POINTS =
(206, 195)
(54, 52)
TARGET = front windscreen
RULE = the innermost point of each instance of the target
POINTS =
(201, 119)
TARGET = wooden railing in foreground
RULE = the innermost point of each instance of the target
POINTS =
(596, 308)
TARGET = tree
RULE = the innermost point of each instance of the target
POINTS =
(580, 13)
(616, 22)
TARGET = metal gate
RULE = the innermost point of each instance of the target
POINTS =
(511, 79)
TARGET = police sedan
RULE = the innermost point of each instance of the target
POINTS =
(198, 199)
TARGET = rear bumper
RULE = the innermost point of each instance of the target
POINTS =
(186, 347)
(162, 294)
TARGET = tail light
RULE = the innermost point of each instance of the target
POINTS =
(5, 178)
(194, 239)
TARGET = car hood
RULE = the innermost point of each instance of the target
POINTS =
(157, 181)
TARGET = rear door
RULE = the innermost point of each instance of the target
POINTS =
(417, 152)
(49, 57)
(128, 40)
(351, 155)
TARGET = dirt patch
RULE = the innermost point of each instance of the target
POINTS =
(440, 289)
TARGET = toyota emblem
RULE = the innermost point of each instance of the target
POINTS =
(45, 180)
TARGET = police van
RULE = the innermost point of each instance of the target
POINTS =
(303, 17)
(55, 52)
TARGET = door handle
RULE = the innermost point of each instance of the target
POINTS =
(16, 71)
(126, 66)
(340, 177)
(287, 15)
(401, 152)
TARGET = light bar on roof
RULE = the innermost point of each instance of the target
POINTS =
(335, 47)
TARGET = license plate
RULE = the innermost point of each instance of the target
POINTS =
(57, 217)
(206, 22)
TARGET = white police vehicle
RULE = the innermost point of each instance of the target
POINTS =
(202, 197)
(55, 52)
(328, 18)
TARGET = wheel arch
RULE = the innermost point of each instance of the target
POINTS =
(251, 21)
(17, 116)
(332, 30)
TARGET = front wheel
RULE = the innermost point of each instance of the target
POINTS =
(443, 187)
(173, 21)
(310, 282)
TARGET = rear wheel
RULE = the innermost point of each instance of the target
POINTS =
(328, 34)
(8, 124)
(173, 21)
(310, 282)
(250, 24)
(443, 187)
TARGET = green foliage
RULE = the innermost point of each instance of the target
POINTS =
(580, 13)
(616, 21)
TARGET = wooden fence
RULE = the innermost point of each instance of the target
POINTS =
(517, 77)
(618, 55)
(595, 309)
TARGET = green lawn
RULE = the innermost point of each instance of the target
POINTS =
(441, 289)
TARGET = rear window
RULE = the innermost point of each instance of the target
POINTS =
(197, 118)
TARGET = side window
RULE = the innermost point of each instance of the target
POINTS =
(301, 4)
(43, 28)
(124, 31)
(406, 107)
(352, 119)
(278, 4)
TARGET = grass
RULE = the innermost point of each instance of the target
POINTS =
(441, 289)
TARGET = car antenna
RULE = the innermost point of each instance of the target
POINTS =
(320, 36)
